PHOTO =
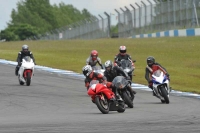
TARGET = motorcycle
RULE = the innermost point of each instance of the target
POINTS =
(121, 84)
(161, 86)
(128, 67)
(26, 71)
(104, 98)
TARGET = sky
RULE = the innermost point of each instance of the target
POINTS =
(95, 7)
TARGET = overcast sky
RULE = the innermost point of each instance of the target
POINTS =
(95, 7)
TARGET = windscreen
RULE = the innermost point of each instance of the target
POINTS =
(27, 58)
(119, 82)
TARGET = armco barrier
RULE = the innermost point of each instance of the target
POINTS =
(171, 33)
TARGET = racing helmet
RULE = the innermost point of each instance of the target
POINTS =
(94, 54)
(25, 48)
(87, 70)
(122, 50)
(108, 65)
(150, 61)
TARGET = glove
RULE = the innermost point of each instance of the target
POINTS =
(167, 74)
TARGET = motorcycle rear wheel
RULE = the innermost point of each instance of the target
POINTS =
(103, 106)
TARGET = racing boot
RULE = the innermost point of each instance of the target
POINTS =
(118, 99)
(16, 71)
(154, 94)
(132, 92)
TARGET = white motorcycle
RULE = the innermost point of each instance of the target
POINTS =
(26, 71)
(161, 86)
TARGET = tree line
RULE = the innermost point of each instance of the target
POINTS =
(35, 17)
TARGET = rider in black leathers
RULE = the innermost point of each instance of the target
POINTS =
(21, 55)
(113, 71)
(122, 55)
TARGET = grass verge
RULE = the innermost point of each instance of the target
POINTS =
(179, 55)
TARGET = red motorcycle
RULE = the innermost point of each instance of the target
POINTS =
(104, 98)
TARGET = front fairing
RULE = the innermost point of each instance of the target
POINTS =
(160, 79)
(26, 66)
(27, 63)
(97, 89)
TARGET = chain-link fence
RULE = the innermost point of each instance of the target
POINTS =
(92, 28)
(144, 18)
(162, 16)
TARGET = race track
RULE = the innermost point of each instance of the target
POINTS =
(56, 103)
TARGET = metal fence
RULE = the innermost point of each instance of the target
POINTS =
(147, 18)
(144, 18)
(92, 28)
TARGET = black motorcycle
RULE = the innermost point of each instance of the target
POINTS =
(121, 84)
(127, 66)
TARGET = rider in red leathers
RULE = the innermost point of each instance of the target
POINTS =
(91, 75)
(151, 67)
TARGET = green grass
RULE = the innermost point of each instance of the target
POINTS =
(180, 56)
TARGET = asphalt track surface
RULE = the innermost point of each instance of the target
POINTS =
(55, 103)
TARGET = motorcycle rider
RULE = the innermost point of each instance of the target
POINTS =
(93, 59)
(113, 71)
(151, 67)
(91, 75)
(122, 55)
(25, 52)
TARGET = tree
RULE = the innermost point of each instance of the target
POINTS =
(41, 17)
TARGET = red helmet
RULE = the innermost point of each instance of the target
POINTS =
(122, 50)
(94, 54)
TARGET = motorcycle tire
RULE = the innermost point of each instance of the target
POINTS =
(28, 79)
(103, 106)
(164, 94)
(127, 99)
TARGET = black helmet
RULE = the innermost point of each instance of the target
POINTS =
(108, 65)
(150, 60)
(25, 48)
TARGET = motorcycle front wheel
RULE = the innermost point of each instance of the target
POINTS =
(102, 104)
(165, 95)
(127, 99)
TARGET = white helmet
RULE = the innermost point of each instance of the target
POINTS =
(122, 49)
(108, 63)
(87, 70)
